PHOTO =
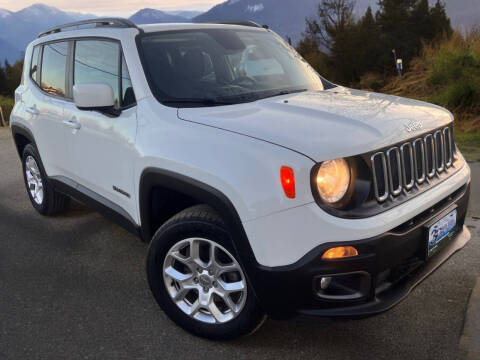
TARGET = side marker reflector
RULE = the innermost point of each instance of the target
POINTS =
(287, 178)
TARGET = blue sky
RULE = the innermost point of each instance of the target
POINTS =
(113, 7)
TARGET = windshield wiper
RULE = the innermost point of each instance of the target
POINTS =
(200, 101)
(287, 92)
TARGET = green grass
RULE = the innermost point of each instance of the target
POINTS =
(7, 105)
(6, 100)
(469, 144)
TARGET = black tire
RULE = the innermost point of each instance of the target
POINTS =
(53, 202)
(198, 221)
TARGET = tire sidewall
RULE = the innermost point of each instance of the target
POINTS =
(243, 324)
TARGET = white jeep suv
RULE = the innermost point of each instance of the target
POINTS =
(262, 188)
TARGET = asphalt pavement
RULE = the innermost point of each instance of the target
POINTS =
(74, 287)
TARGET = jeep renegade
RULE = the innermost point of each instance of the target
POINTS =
(261, 188)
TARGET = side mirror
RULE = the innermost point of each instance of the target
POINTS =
(98, 97)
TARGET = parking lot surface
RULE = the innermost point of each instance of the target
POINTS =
(74, 287)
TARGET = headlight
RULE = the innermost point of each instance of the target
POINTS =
(333, 180)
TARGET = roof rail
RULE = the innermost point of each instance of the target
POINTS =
(242, 23)
(100, 22)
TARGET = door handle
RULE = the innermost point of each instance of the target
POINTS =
(73, 123)
(32, 110)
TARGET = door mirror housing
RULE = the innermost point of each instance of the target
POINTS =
(96, 97)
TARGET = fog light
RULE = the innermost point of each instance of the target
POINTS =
(325, 282)
(340, 252)
(346, 286)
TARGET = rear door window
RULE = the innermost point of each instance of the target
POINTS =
(54, 64)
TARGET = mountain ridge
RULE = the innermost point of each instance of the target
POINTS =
(151, 16)
(287, 17)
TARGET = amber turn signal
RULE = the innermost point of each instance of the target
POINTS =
(340, 252)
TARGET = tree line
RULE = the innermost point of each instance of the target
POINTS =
(10, 77)
(344, 47)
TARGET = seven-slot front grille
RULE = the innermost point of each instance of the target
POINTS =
(412, 163)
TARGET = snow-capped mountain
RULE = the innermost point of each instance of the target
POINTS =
(152, 16)
(188, 14)
(286, 17)
(4, 13)
(17, 29)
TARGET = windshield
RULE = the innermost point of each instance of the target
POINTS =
(208, 67)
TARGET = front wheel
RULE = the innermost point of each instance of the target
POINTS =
(197, 280)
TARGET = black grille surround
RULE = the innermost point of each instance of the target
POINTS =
(393, 175)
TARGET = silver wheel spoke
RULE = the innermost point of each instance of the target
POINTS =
(195, 253)
(211, 253)
(215, 311)
(232, 287)
(182, 292)
(229, 302)
(194, 308)
(179, 257)
(223, 269)
(177, 275)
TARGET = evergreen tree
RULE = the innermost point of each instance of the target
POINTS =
(3, 81)
(10, 77)
(440, 21)
(421, 22)
(335, 30)
(398, 33)
(369, 42)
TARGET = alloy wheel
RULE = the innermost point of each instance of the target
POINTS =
(205, 281)
(34, 180)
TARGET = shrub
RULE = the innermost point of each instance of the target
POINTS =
(7, 109)
(7, 106)
(372, 81)
(454, 71)
(461, 94)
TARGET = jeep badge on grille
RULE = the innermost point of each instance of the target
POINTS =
(413, 125)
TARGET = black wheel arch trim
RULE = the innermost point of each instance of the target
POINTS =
(203, 193)
(18, 129)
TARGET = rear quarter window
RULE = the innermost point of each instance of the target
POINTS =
(34, 68)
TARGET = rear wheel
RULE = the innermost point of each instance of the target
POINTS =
(198, 281)
(42, 195)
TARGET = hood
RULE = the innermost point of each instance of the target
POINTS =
(327, 124)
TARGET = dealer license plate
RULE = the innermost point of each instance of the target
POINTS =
(439, 232)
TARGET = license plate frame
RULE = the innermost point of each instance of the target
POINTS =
(440, 230)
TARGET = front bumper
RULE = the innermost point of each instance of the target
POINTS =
(390, 265)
